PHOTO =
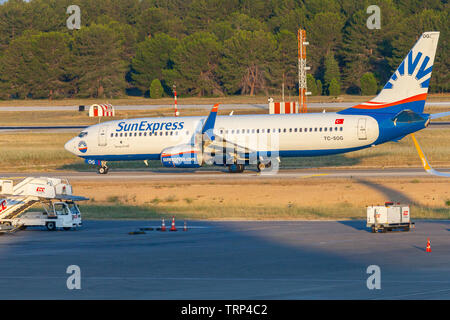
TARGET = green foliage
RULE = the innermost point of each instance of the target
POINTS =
(152, 57)
(312, 85)
(37, 66)
(331, 70)
(241, 46)
(335, 88)
(319, 87)
(156, 89)
(245, 67)
(196, 59)
(98, 56)
(368, 84)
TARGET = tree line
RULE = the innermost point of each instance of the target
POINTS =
(209, 47)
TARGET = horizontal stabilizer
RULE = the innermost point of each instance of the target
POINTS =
(439, 115)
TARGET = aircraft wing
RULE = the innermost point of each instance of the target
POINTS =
(425, 163)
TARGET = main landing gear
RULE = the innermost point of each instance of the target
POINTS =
(236, 168)
(261, 166)
(103, 168)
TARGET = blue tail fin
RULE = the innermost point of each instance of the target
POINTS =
(408, 87)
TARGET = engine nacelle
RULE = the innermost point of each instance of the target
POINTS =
(182, 156)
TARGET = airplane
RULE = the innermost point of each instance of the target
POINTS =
(236, 141)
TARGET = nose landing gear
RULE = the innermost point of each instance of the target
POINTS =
(103, 168)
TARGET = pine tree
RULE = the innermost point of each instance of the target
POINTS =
(312, 85)
(368, 84)
(319, 87)
(245, 67)
(331, 70)
(152, 57)
(196, 60)
(99, 61)
(156, 89)
(335, 88)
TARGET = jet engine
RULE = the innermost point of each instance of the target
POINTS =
(182, 156)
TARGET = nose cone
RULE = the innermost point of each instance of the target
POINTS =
(70, 146)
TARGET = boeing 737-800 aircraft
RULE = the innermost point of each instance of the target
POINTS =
(240, 140)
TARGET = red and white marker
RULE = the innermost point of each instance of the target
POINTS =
(173, 225)
(175, 102)
(163, 225)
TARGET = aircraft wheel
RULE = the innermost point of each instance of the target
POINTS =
(236, 168)
(102, 170)
(260, 166)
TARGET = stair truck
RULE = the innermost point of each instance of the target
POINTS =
(59, 208)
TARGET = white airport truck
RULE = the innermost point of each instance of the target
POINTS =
(59, 208)
(389, 217)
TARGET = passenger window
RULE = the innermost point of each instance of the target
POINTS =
(320, 129)
(315, 129)
(290, 129)
(310, 129)
(262, 130)
(325, 129)
(237, 131)
(257, 130)
(253, 130)
(268, 130)
(299, 129)
(335, 128)
(342, 128)
(284, 130)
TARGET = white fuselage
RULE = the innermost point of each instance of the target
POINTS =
(290, 135)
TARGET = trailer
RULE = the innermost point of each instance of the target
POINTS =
(389, 217)
(59, 208)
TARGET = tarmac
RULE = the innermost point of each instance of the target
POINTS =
(218, 173)
(227, 260)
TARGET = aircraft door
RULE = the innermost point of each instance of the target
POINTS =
(102, 133)
(362, 132)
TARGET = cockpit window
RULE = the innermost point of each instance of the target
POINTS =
(82, 134)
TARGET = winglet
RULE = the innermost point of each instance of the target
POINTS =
(208, 126)
(425, 163)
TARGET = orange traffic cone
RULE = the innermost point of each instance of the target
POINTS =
(173, 225)
(163, 226)
(428, 246)
(185, 226)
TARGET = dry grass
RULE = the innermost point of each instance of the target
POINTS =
(263, 199)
